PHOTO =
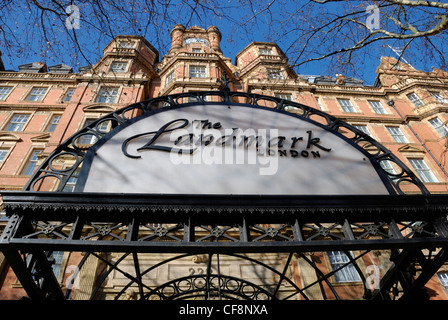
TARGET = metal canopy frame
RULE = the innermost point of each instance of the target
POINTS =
(413, 227)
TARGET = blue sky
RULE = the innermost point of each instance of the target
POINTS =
(33, 45)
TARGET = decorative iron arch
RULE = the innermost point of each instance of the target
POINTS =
(75, 150)
(39, 217)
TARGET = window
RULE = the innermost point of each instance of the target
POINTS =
(31, 164)
(107, 95)
(68, 94)
(275, 74)
(319, 103)
(36, 94)
(53, 123)
(126, 44)
(439, 126)
(3, 153)
(443, 277)
(169, 78)
(363, 128)
(285, 96)
(266, 51)
(387, 166)
(413, 97)
(346, 105)
(397, 134)
(197, 72)
(91, 138)
(439, 98)
(423, 170)
(348, 273)
(377, 107)
(197, 50)
(56, 266)
(118, 66)
(71, 182)
(4, 91)
(17, 122)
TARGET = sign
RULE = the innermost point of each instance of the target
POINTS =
(228, 149)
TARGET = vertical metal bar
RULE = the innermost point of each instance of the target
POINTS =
(244, 231)
(188, 231)
(283, 275)
(138, 275)
(297, 231)
(23, 274)
(347, 229)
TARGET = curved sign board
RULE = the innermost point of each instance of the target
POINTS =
(228, 149)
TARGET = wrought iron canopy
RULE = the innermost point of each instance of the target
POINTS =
(41, 221)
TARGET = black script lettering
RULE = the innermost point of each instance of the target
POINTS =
(294, 153)
(279, 143)
(155, 135)
(295, 140)
(315, 142)
(315, 154)
(206, 124)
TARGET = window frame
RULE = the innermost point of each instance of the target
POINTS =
(26, 167)
(275, 74)
(5, 94)
(343, 107)
(376, 108)
(169, 77)
(349, 270)
(42, 95)
(24, 124)
(427, 175)
(440, 126)
(266, 51)
(68, 94)
(51, 124)
(99, 95)
(121, 69)
(438, 96)
(416, 101)
(127, 44)
(195, 73)
(398, 136)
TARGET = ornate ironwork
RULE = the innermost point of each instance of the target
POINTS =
(41, 222)
(73, 151)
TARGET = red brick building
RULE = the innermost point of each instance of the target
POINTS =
(41, 106)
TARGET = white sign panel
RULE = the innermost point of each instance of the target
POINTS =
(216, 149)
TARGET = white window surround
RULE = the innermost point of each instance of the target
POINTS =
(377, 107)
(363, 128)
(439, 126)
(197, 71)
(54, 120)
(347, 273)
(17, 122)
(422, 170)
(276, 74)
(397, 134)
(346, 105)
(118, 66)
(31, 163)
(415, 99)
(107, 95)
(36, 94)
(438, 97)
(4, 92)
